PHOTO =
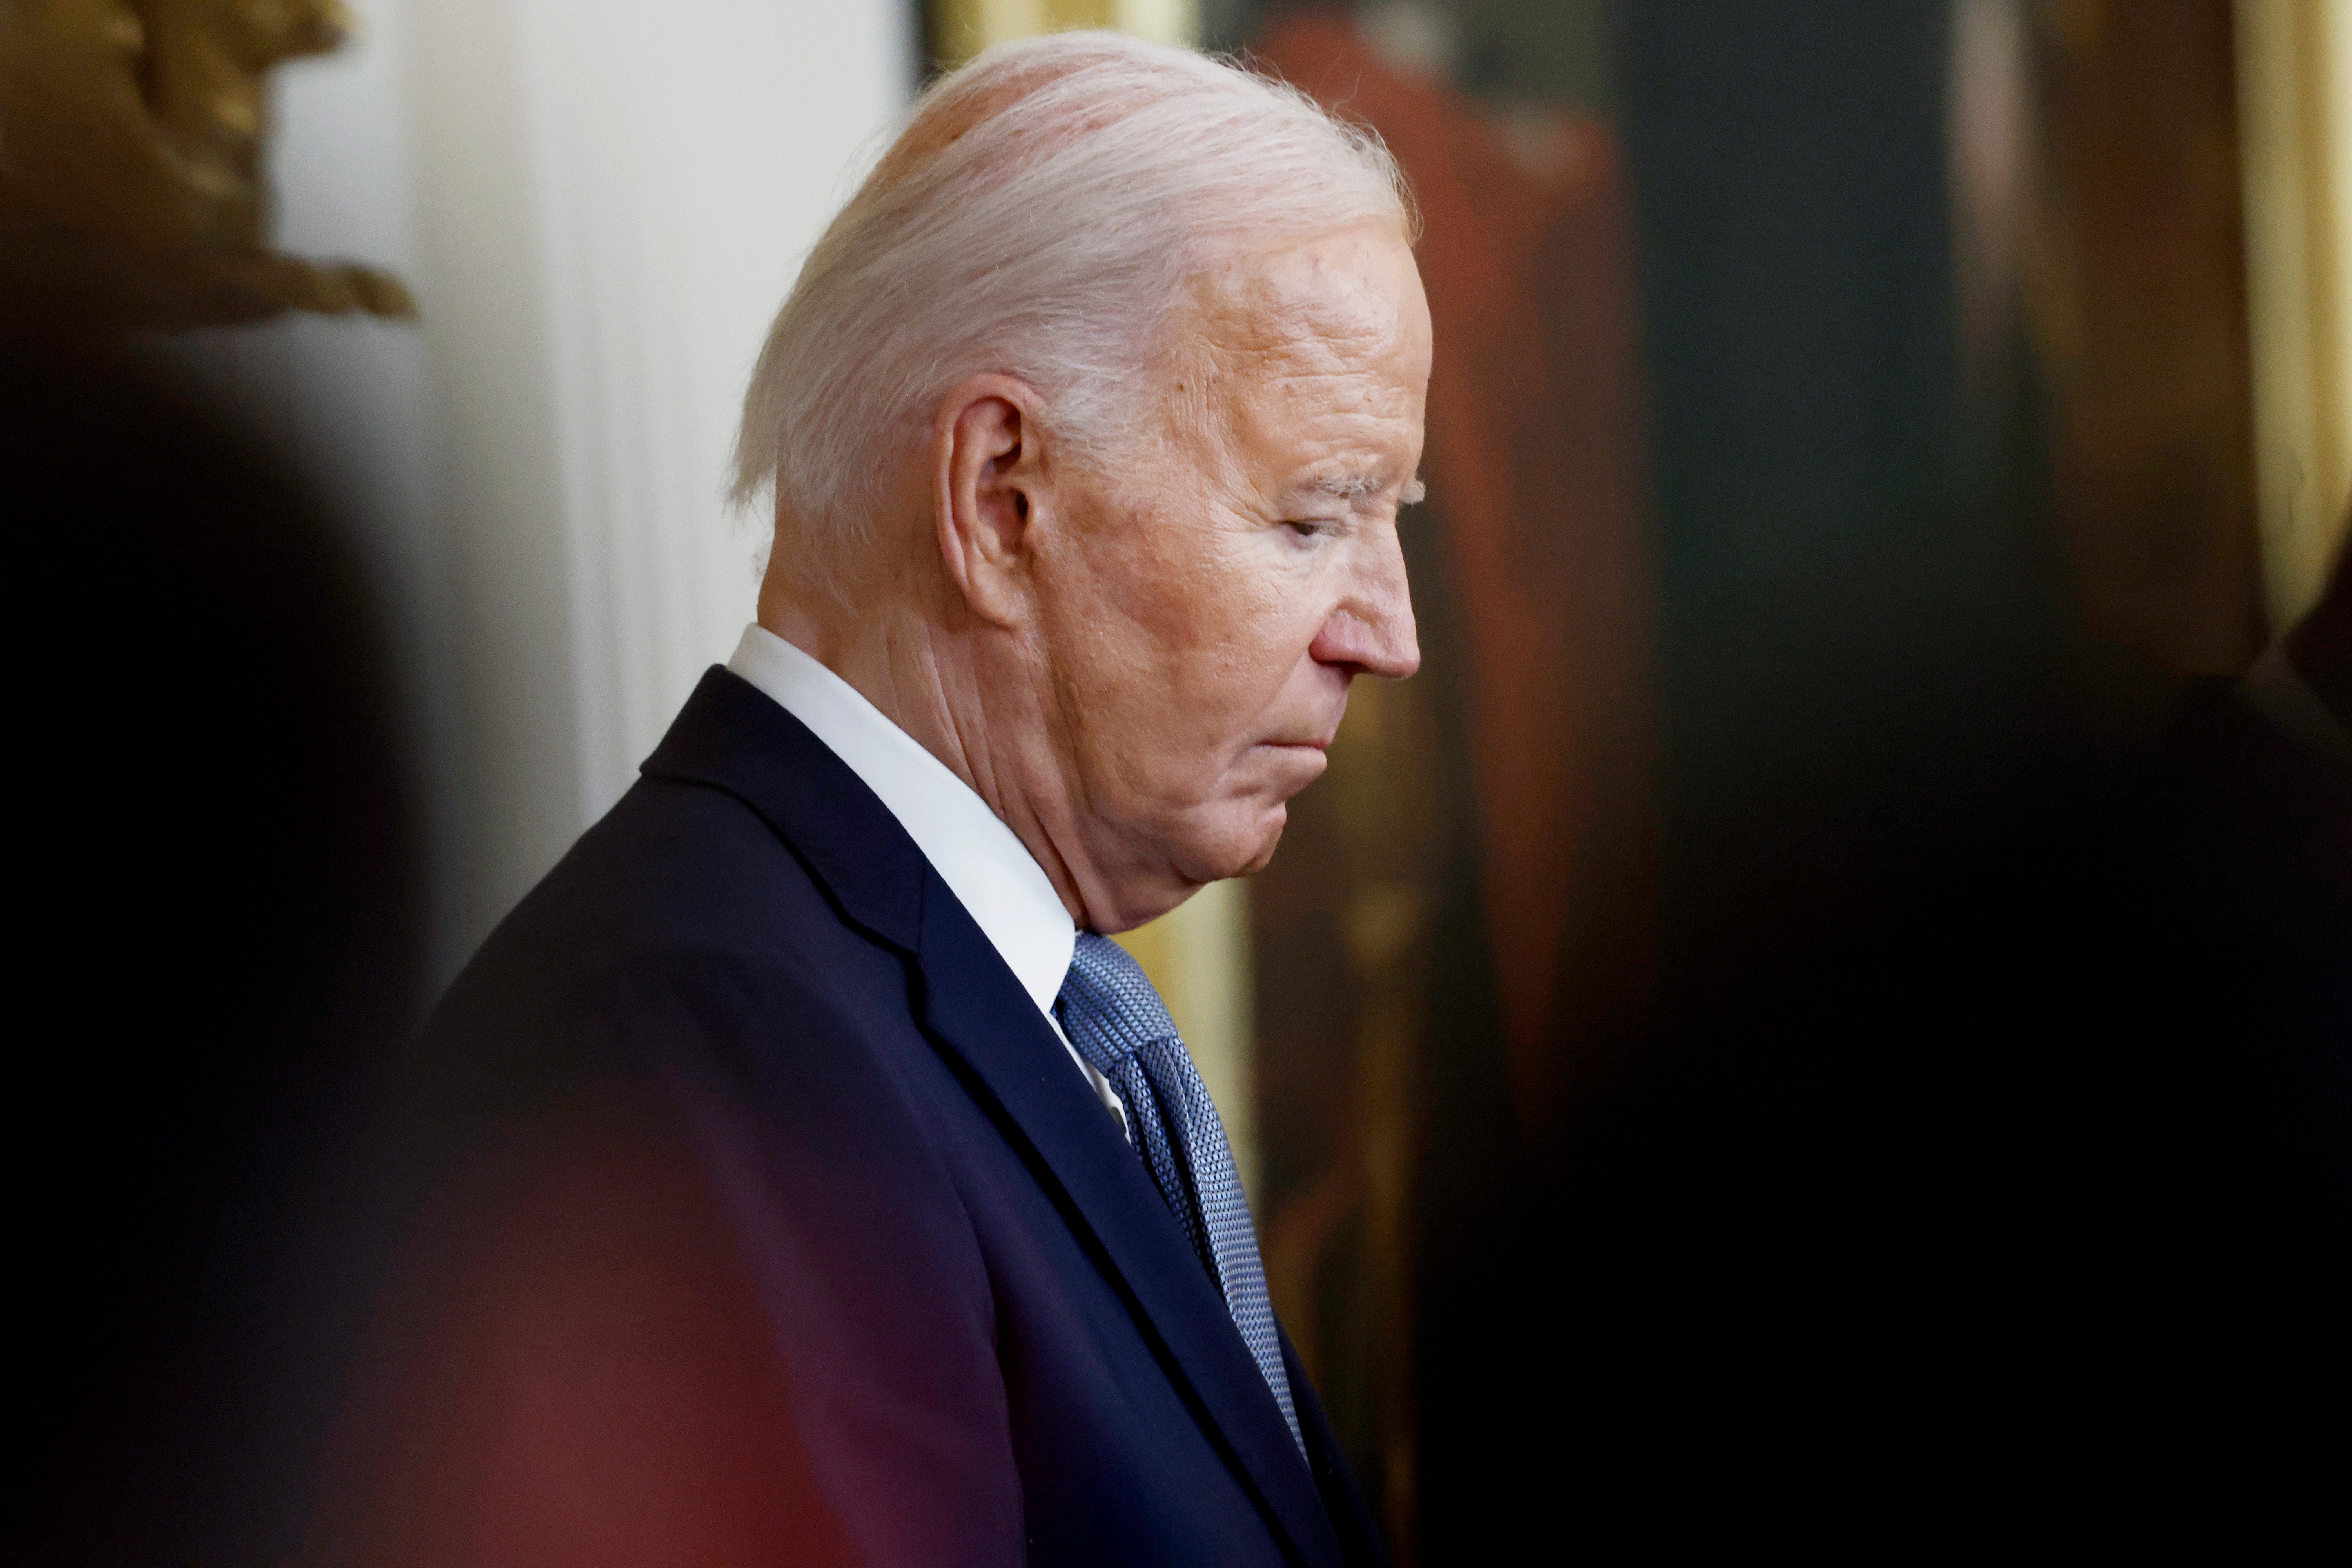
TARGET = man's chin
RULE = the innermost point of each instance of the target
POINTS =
(1245, 851)
(1264, 854)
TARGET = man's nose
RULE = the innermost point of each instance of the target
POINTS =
(1371, 628)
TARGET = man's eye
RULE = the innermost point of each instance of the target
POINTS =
(1309, 527)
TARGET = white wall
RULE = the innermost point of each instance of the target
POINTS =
(598, 203)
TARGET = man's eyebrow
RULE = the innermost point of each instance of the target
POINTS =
(1356, 487)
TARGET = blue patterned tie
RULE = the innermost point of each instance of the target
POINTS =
(1122, 1028)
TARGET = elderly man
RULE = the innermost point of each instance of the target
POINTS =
(830, 1187)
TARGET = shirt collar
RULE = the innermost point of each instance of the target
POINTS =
(983, 861)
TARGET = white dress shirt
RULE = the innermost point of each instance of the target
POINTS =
(981, 860)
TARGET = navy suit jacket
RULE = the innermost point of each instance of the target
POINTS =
(769, 1221)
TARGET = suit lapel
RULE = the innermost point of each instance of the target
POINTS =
(735, 738)
(975, 1006)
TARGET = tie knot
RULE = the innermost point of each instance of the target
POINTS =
(1108, 1006)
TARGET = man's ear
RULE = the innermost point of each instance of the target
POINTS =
(989, 477)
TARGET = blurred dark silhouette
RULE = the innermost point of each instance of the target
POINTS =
(221, 900)
(2007, 1176)
(1974, 1165)
(2251, 822)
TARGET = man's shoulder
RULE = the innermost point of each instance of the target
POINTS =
(681, 920)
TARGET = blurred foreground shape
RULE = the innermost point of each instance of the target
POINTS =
(224, 897)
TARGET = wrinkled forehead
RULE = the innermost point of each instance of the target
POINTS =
(1307, 364)
(1338, 297)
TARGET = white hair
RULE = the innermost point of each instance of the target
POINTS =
(1039, 215)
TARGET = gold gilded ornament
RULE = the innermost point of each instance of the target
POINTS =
(131, 188)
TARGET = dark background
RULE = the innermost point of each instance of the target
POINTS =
(1938, 1114)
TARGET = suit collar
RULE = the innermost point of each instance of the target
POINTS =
(731, 737)
(983, 861)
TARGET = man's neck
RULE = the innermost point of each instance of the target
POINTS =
(925, 680)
